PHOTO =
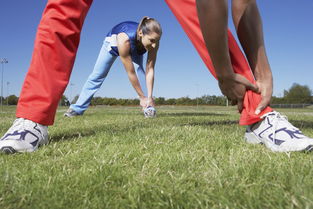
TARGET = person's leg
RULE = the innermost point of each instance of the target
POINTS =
(186, 13)
(272, 129)
(54, 53)
(95, 80)
(53, 57)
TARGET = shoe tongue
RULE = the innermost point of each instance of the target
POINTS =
(283, 122)
(269, 114)
(277, 115)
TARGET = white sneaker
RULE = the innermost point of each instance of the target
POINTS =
(71, 113)
(24, 136)
(277, 134)
(149, 112)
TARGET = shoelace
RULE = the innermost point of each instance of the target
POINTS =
(275, 118)
(17, 122)
(22, 123)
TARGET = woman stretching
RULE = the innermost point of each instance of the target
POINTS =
(130, 41)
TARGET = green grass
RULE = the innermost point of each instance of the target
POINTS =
(187, 157)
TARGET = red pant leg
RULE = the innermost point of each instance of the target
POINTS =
(186, 13)
(53, 57)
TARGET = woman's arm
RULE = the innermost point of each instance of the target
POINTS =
(151, 59)
(123, 45)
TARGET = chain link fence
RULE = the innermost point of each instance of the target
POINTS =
(292, 105)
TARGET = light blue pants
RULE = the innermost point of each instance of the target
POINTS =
(99, 73)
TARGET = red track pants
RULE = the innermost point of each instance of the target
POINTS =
(53, 57)
(186, 13)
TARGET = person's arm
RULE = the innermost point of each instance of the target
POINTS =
(248, 23)
(213, 17)
(151, 60)
(123, 45)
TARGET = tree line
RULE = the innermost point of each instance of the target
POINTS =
(297, 94)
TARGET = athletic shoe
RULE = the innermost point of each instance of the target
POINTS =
(149, 112)
(277, 134)
(24, 136)
(70, 113)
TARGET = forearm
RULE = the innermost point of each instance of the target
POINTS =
(135, 83)
(262, 70)
(213, 17)
(249, 28)
(150, 82)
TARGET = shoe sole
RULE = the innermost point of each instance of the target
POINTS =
(8, 150)
(69, 116)
(11, 150)
(251, 138)
(308, 148)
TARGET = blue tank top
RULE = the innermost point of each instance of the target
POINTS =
(130, 28)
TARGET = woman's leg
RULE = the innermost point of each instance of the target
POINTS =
(54, 53)
(186, 13)
(95, 80)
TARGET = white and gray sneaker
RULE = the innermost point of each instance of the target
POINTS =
(24, 136)
(277, 134)
(70, 113)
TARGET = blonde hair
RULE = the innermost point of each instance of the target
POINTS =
(148, 25)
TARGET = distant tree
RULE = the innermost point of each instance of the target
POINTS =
(212, 100)
(97, 101)
(298, 94)
(205, 99)
(64, 101)
(133, 102)
(4, 101)
(75, 99)
(278, 100)
(184, 101)
(159, 101)
(171, 101)
(12, 100)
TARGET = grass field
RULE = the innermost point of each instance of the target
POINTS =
(187, 157)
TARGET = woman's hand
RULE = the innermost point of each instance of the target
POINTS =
(150, 102)
(143, 102)
(146, 102)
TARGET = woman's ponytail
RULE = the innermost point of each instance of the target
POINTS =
(148, 25)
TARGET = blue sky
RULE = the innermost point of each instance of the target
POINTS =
(180, 72)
